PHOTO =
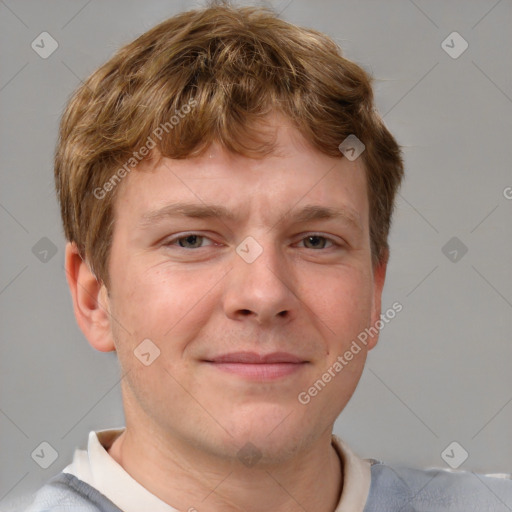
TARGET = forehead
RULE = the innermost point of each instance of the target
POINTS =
(296, 177)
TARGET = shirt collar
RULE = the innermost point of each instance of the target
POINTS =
(97, 468)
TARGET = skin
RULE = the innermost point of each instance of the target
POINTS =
(185, 419)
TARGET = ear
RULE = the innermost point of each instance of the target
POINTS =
(90, 301)
(379, 276)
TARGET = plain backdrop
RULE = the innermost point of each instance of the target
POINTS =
(442, 369)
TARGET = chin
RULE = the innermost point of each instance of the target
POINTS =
(276, 437)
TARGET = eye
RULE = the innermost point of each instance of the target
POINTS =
(190, 241)
(194, 241)
(318, 241)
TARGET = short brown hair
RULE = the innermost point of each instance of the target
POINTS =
(235, 66)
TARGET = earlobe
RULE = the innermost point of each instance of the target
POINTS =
(379, 277)
(90, 301)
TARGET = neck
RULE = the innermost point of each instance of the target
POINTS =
(188, 479)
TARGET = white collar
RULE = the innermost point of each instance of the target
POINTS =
(97, 468)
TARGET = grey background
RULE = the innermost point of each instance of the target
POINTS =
(441, 371)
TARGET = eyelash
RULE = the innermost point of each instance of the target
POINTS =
(173, 241)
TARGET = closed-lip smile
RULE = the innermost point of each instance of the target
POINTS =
(255, 358)
(256, 366)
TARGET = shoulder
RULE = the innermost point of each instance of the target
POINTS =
(436, 490)
(66, 492)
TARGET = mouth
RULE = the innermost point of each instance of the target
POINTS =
(258, 366)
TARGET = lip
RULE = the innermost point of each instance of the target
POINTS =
(255, 358)
(255, 366)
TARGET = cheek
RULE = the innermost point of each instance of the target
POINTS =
(342, 303)
(347, 314)
(162, 304)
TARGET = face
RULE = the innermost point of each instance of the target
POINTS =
(265, 272)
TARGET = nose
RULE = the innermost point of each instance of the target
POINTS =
(261, 283)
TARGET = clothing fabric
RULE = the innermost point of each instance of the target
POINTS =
(95, 482)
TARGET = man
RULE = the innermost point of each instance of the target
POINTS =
(226, 188)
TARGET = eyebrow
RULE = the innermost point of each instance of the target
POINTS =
(206, 211)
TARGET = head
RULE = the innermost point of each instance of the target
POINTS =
(233, 109)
